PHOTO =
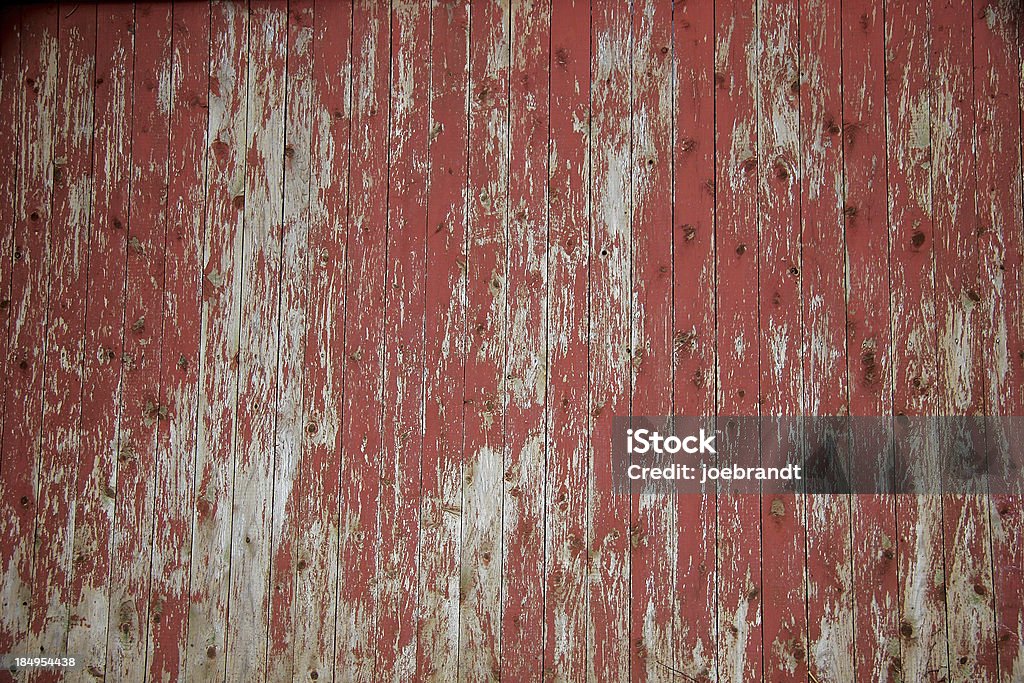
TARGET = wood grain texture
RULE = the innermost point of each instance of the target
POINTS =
(780, 320)
(960, 329)
(317, 316)
(652, 516)
(738, 562)
(911, 266)
(11, 98)
(209, 576)
(27, 328)
(526, 364)
(102, 376)
(317, 489)
(292, 314)
(609, 532)
(65, 317)
(694, 344)
(134, 503)
(995, 31)
(868, 334)
(179, 368)
(569, 251)
(365, 284)
(401, 455)
(830, 596)
(486, 342)
(444, 352)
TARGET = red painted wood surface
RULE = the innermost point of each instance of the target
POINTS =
(526, 373)
(652, 517)
(317, 315)
(829, 563)
(694, 339)
(569, 249)
(444, 326)
(868, 333)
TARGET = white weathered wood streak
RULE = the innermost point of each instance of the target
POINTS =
(260, 264)
(316, 554)
(222, 295)
(288, 430)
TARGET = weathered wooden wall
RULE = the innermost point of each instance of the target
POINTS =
(316, 316)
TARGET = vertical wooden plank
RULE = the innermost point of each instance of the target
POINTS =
(403, 352)
(169, 597)
(364, 342)
(567, 351)
(960, 324)
(28, 304)
(781, 331)
(919, 518)
(522, 618)
(101, 396)
(609, 338)
(289, 428)
(997, 92)
(218, 355)
(444, 352)
(65, 318)
(486, 340)
(11, 100)
(736, 224)
(652, 533)
(260, 265)
(830, 617)
(694, 349)
(868, 332)
(129, 609)
(316, 555)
